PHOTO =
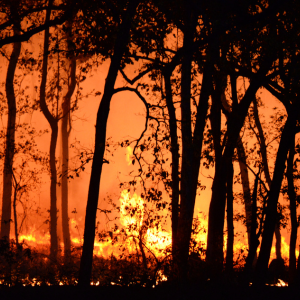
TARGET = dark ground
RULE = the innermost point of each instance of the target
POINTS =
(158, 293)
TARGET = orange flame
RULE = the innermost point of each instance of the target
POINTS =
(129, 153)
(154, 238)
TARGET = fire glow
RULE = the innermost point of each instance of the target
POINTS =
(155, 238)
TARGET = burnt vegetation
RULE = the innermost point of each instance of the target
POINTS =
(218, 82)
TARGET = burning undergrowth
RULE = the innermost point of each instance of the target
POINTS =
(135, 250)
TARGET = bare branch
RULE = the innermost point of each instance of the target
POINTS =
(139, 76)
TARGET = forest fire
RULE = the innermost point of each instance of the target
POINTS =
(171, 132)
(155, 239)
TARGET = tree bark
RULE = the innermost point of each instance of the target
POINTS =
(10, 141)
(287, 137)
(100, 138)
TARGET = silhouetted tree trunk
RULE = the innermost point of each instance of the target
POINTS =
(54, 132)
(287, 137)
(100, 138)
(175, 159)
(65, 133)
(215, 120)
(241, 158)
(186, 202)
(263, 149)
(10, 140)
(191, 143)
(16, 187)
(230, 227)
(249, 208)
(253, 242)
(293, 212)
(245, 185)
(214, 253)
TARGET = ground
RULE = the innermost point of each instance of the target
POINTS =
(159, 293)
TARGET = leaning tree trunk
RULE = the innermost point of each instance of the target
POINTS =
(293, 212)
(263, 150)
(100, 139)
(65, 133)
(10, 141)
(287, 137)
(53, 142)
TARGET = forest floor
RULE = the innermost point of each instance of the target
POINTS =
(159, 293)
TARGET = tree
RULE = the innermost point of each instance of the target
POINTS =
(293, 213)
(100, 138)
(54, 133)
(65, 132)
(29, 12)
(263, 149)
(10, 138)
(287, 83)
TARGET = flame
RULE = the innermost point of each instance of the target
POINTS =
(134, 215)
(279, 283)
(131, 210)
(129, 153)
(157, 240)
(35, 239)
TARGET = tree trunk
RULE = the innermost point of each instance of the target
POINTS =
(230, 227)
(15, 210)
(287, 137)
(243, 164)
(197, 150)
(175, 160)
(53, 142)
(214, 253)
(293, 212)
(187, 201)
(263, 149)
(10, 141)
(65, 133)
(53, 197)
(215, 120)
(253, 242)
(246, 186)
(100, 138)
